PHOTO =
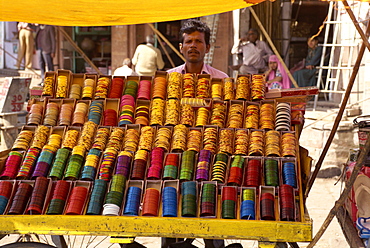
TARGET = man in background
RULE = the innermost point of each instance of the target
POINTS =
(255, 53)
(26, 45)
(125, 70)
(147, 58)
(45, 48)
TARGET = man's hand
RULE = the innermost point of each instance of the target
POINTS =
(310, 67)
(244, 39)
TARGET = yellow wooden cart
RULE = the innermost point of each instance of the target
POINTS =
(268, 233)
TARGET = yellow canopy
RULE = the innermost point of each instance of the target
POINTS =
(112, 12)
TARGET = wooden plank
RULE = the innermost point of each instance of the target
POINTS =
(271, 231)
(348, 229)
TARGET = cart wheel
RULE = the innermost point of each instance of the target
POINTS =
(27, 245)
(207, 243)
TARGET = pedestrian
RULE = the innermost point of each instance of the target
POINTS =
(255, 53)
(26, 45)
(147, 58)
(45, 48)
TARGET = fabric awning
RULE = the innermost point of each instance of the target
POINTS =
(112, 12)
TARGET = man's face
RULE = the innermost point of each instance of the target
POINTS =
(194, 47)
(252, 36)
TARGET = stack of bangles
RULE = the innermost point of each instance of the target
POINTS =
(159, 88)
(65, 115)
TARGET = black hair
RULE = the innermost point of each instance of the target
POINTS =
(255, 31)
(193, 25)
(313, 38)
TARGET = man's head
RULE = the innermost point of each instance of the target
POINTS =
(194, 40)
(193, 25)
(253, 35)
(127, 62)
(150, 39)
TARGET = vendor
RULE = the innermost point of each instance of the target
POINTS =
(194, 44)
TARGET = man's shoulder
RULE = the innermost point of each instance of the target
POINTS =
(215, 72)
(141, 46)
(176, 69)
(262, 43)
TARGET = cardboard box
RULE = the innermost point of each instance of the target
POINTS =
(255, 214)
(149, 208)
(234, 104)
(41, 102)
(217, 89)
(12, 192)
(89, 95)
(71, 103)
(205, 90)
(113, 104)
(233, 214)
(243, 92)
(160, 74)
(142, 117)
(202, 212)
(189, 206)
(83, 198)
(80, 123)
(176, 185)
(50, 92)
(133, 183)
(63, 92)
(272, 213)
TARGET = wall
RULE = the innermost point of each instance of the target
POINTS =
(125, 39)
(224, 43)
(315, 135)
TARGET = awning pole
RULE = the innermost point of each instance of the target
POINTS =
(163, 48)
(356, 67)
(355, 22)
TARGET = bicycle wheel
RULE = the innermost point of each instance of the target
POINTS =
(27, 245)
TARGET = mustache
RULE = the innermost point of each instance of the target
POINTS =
(193, 51)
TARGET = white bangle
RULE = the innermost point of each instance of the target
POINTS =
(111, 209)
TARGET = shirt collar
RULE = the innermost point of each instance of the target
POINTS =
(204, 69)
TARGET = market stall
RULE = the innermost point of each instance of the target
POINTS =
(263, 223)
(109, 136)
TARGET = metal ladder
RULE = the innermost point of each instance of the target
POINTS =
(343, 51)
(212, 23)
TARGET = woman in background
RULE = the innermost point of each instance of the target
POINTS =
(306, 76)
